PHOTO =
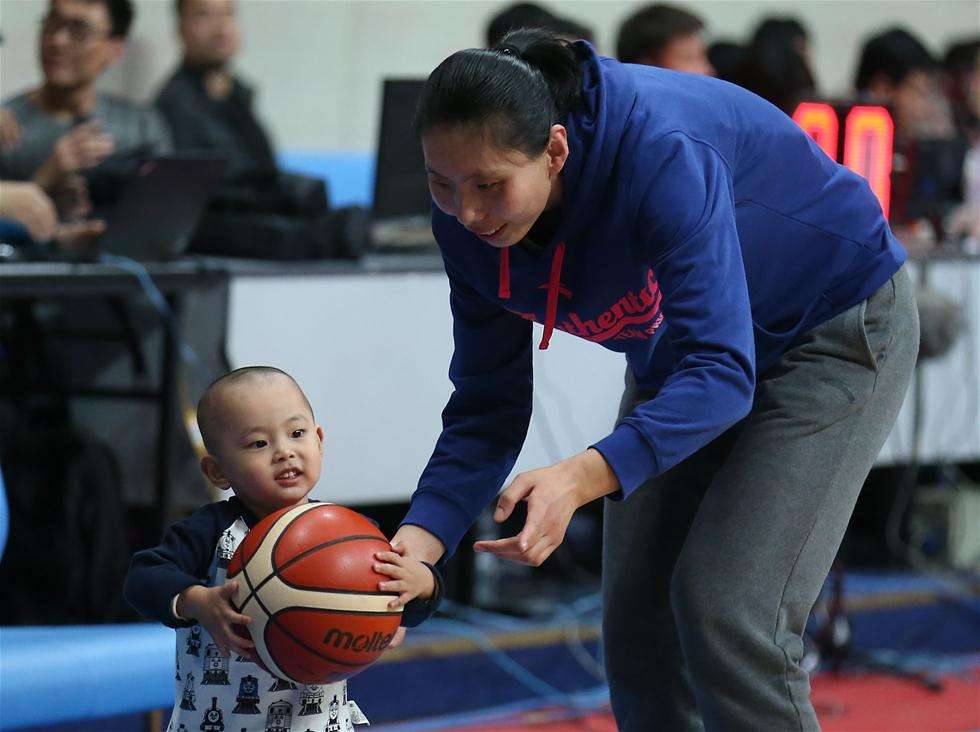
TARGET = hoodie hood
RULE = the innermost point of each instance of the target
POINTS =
(595, 135)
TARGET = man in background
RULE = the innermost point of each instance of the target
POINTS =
(666, 36)
(208, 108)
(258, 210)
(69, 138)
(896, 69)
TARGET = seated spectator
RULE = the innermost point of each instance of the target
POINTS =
(726, 57)
(259, 210)
(206, 107)
(897, 70)
(664, 35)
(962, 67)
(66, 136)
(532, 15)
(962, 72)
(776, 64)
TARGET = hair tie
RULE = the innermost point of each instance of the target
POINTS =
(509, 50)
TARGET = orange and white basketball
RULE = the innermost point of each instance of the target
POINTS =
(306, 579)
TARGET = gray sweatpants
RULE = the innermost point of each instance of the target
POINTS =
(711, 569)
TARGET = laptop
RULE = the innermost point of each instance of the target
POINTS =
(402, 204)
(160, 206)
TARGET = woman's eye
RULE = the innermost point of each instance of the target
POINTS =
(488, 186)
(298, 433)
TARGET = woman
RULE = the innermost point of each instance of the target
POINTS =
(770, 334)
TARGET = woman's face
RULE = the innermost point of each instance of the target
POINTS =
(497, 194)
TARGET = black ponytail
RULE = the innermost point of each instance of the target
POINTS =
(528, 82)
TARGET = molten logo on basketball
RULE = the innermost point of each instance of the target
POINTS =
(373, 643)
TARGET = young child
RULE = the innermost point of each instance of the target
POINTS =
(264, 443)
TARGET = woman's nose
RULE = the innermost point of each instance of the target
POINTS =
(467, 212)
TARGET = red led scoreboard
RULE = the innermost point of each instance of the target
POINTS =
(859, 136)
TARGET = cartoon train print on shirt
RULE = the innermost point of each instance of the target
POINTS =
(280, 717)
(194, 641)
(226, 549)
(333, 723)
(215, 667)
(213, 720)
(248, 696)
(188, 696)
(311, 698)
(282, 685)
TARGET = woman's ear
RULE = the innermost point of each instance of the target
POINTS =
(557, 149)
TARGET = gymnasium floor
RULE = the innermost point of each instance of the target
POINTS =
(917, 623)
(861, 703)
(472, 671)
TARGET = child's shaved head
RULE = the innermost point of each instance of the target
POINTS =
(209, 408)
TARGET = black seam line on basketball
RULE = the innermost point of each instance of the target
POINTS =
(251, 588)
(258, 601)
(245, 563)
(303, 644)
(311, 550)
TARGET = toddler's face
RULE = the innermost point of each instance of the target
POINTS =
(270, 450)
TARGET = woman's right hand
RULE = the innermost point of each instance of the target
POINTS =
(417, 543)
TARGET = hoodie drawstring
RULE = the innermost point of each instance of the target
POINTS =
(503, 290)
(554, 286)
(554, 283)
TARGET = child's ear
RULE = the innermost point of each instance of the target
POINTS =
(319, 437)
(212, 471)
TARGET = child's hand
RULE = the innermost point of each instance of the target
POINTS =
(409, 578)
(212, 608)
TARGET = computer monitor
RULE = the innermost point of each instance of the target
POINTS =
(402, 204)
(161, 205)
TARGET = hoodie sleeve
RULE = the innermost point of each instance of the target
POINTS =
(182, 559)
(686, 221)
(417, 611)
(486, 420)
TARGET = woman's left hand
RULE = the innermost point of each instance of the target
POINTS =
(552, 495)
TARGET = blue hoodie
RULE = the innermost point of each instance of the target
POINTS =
(701, 232)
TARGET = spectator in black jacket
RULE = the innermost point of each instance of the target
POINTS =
(259, 210)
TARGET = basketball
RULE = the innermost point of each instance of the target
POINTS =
(306, 579)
